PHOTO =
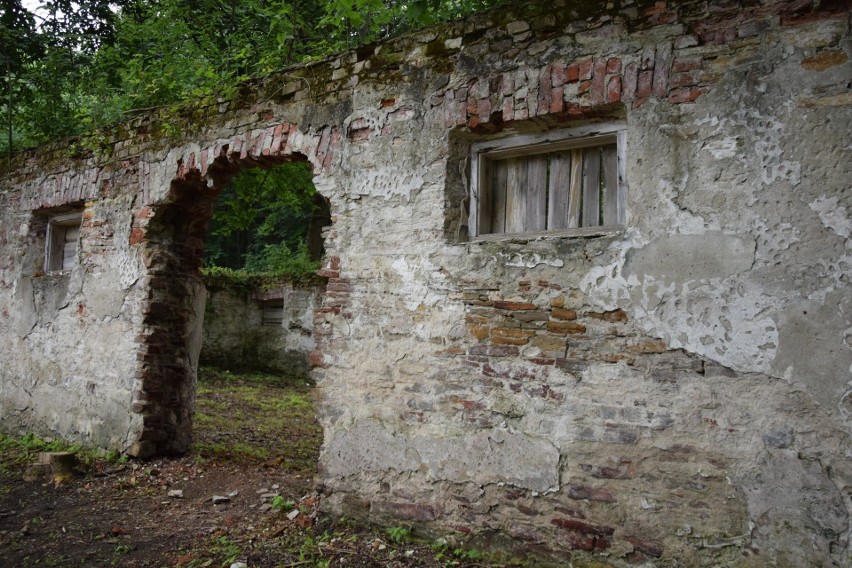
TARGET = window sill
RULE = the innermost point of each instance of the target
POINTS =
(584, 233)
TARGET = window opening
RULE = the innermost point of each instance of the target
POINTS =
(272, 312)
(62, 242)
(571, 182)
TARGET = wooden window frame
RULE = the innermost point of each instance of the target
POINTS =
(56, 241)
(483, 153)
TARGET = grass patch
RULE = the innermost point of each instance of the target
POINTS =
(20, 451)
(256, 417)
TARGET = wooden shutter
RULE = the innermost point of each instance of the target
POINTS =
(612, 214)
(591, 187)
(544, 187)
(559, 190)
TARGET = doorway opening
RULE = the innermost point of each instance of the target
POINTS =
(262, 249)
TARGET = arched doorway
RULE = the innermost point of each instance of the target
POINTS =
(171, 342)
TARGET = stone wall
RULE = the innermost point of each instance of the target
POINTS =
(259, 329)
(674, 392)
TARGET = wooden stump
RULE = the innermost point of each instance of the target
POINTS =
(61, 466)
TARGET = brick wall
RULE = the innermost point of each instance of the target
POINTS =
(675, 392)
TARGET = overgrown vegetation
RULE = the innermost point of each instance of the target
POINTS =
(241, 417)
(260, 228)
(70, 67)
(20, 451)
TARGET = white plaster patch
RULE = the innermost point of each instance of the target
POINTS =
(741, 335)
(724, 148)
(414, 288)
(527, 260)
(832, 215)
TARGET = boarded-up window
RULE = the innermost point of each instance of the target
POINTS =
(544, 183)
(63, 238)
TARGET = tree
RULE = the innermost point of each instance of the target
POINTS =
(75, 66)
(19, 45)
(261, 221)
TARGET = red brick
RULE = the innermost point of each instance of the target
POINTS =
(565, 327)
(557, 75)
(613, 90)
(612, 316)
(584, 87)
(137, 235)
(513, 306)
(584, 492)
(572, 73)
(563, 314)
(469, 404)
(646, 547)
(613, 65)
(338, 285)
(557, 100)
(687, 79)
(576, 513)
(643, 89)
(582, 527)
(512, 332)
(685, 95)
(681, 65)
(657, 8)
(585, 70)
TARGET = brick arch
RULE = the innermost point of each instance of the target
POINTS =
(172, 232)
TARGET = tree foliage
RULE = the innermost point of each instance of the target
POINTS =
(72, 66)
(261, 219)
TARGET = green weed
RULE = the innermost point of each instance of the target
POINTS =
(397, 534)
(281, 504)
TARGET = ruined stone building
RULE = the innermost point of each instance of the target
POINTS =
(588, 277)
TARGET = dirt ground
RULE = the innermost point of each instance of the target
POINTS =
(243, 497)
